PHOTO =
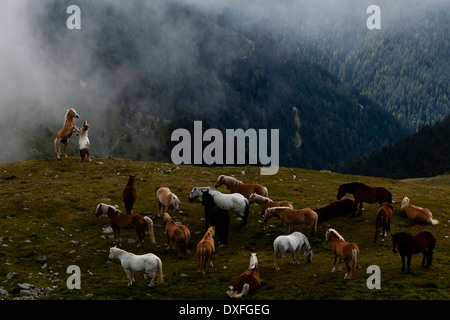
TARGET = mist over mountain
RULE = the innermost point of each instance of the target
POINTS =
(137, 70)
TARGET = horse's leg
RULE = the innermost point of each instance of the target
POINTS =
(141, 235)
(296, 259)
(129, 277)
(429, 257)
(334, 263)
(403, 262)
(360, 208)
(58, 152)
(275, 260)
(65, 143)
(424, 258)
(347, 266)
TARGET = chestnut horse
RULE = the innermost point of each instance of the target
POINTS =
(205, 250)
(236, 186)
(66, 132)
(407, 244)
(344, 250)
(129, 194)
(166, 199)
(290, 216)
(363, 193)
(118, 219)
(383, 220)
(265, 202)
(178, 234)
(248, 281)
(83, 142)
(418, 214)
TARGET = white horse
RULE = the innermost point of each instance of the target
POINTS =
(291, 243)
(235, 202)
(149, 263)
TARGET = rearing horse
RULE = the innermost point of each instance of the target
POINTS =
(66, 132)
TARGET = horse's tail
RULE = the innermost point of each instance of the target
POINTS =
(432, 221)
(159, 272)
(314, 227)
(202, 259)
(266, 192)
(244, 292)
(149, 223)
(353, 263)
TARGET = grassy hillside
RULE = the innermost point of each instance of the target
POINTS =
(47, 209)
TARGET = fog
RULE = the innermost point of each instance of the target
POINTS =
(45, 68)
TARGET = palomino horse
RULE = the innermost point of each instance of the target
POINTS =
(344, 250)
(248, 281)
(235, 202)
(215, 216)
(205, 250)
(236, 186)
(291, 243)
(66, 132)
(129, 194)
(118, 219)
(83, 142)
(383, 220)
(149, 263)
(407, 244)
(289, 216)
(336, 208)
(363, 193)
(178, 234)
(167, 199)
(418, 214)
(265, 202)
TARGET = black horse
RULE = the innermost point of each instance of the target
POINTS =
(215, 216)
(407, 244)
(344, 207)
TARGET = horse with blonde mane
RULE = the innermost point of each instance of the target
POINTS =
(418, 214)
(118, 219)
(344, 250)
(291, 243)
(167, 199)
(248, 281)
(383, 220)
(236, 186)
(265, 202)
(290, 216)
(63, 135)
(130, 262)
(205, 250)
(178, 234)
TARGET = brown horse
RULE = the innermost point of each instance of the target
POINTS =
(363, 193)
(178, 234)
(265, 202)
(236, 186)
(383, 220)
(66, 132)
(335, 209)
(344, 250)
(118, 219)
(418, 214)
(407, 244)
(166, 199)
(129, 194)
(205, 249)
(289, 216)
(248, 281)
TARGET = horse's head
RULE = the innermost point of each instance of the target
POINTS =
(101, 210)
(405, 202)
(131, 180)
(207, 198)
(220, 181)
(252, 198)
(341, 192)
(112, 253)
(166, 217)
(269, 213)
(211, 231)
(253, 261)
(308, 254)
(71, 113)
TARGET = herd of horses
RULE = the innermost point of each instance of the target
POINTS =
(217, 208)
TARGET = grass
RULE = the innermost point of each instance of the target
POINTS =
(47, 209)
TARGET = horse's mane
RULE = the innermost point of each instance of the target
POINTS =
(227, 179)
(260, 197)
(66, 116)
(336, 233)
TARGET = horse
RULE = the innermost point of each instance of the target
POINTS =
(129, 194)
(418, 214)
(118, 219)
(63, 135)
(290, 216)
(291, 243)
(236, 186)
(178, 234)
(235, 202)
(248, 281)
(344, 250)
(364, 193)
(383, 220)
(166, 198)
(205, 250)
(407, 244)
(83, 142)
(215, 216)
(336, 208)
(130, 262)
(265, 202)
